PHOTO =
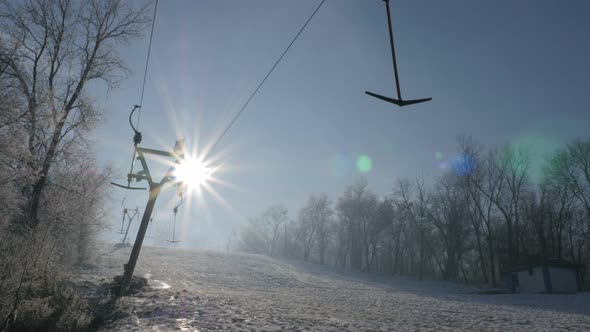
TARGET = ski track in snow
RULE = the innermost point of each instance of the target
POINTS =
(195, 290)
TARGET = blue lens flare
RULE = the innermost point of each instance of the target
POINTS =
(463, 165)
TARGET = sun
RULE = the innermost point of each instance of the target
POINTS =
(192, 172)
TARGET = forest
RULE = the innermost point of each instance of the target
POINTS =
(483, 215)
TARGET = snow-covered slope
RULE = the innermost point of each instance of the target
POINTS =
(209, 290)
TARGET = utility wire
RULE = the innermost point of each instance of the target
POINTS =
(147, 62)
(265, 77)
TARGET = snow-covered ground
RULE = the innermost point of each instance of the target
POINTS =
(210, 290)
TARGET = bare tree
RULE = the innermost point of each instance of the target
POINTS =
(342, 240)
(351, 211)
(60, 46)
(370, 228)
(396, 224)
(448, 212)
(577, 170)
(306, 230)
(253, 237)
(517, 159)
(262, 234)
(275, 217)
(481, 185)
(495, 184)
(412, 202)
(566, 184)
(316, 216)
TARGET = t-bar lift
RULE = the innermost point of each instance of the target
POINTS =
(399, 101)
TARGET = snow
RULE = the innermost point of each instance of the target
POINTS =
(211, 290)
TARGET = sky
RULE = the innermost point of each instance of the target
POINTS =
(501, 71)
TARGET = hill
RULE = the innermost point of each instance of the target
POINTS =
(195, 290)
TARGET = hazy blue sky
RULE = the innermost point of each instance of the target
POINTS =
(502, 71)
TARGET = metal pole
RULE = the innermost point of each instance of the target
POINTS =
(399, 94)
(174, 225)
(128, 225)
(150, 228)
(147, 214)
(123, 220)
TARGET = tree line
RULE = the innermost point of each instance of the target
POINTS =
(481, 216)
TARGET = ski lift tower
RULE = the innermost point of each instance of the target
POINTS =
(154, 189)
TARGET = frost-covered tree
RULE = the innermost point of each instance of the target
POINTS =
(52, 51)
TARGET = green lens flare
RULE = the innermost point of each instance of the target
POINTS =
(364, 164)
(438, 156)
(539, 147)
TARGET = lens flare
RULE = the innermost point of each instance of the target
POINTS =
(463, 165)
(192, 172)
(443, 165)
(364, 164)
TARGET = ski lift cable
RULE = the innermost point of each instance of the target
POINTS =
(137, 134)
(265, 77)
(147, 62)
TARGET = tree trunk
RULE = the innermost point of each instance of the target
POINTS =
(398, 265)
(480, 255)
(421, 262)
(42, 180)
(492, 266)
(510, 243)
(355, 249)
